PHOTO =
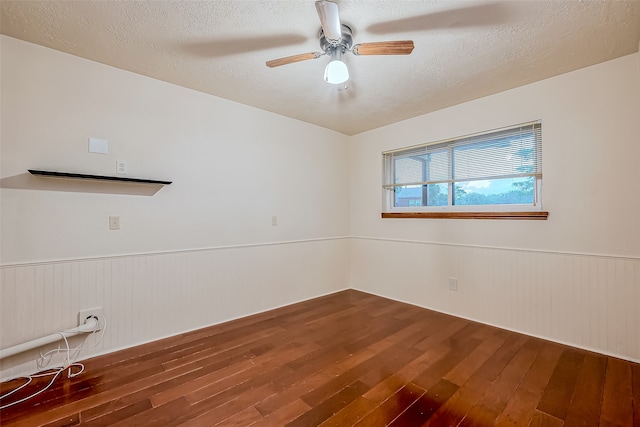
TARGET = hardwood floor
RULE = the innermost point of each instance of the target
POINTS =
(345, 359)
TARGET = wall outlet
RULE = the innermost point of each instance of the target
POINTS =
(274, 221)
(121, 167)
(89, 313)
(114, 223)
(453, 284)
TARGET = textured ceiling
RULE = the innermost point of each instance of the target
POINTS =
(463, 49)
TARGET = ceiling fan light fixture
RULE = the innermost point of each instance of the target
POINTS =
(336, 72)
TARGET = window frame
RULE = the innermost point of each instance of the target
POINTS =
(492, 211)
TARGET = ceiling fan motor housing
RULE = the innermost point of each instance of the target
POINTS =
(344, 43)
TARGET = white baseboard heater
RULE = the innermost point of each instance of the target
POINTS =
(90, 325)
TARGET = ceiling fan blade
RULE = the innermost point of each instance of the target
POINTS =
(237, 45)
(481, 15)
(330, 20)
(401, 47)
(292, 59)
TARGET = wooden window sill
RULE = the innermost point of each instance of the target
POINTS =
(537, 215)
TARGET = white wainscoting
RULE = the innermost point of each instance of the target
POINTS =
(151, 296)
(588, 301)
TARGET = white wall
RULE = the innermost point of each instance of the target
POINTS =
(574, 278)
(233, 167)
(201, 250)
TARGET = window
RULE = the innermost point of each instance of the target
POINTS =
(499, 170)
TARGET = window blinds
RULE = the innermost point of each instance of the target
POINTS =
(506, 153)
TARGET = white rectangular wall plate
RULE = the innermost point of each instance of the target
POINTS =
(83, 315)
(121, 167)
(114, 223)
(98, 145)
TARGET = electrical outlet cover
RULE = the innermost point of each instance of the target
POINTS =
(114, 223)
(83, 315)
(121, 167)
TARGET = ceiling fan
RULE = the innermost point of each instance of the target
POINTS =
(335, 40)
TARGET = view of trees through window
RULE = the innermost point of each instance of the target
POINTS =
(486, 192)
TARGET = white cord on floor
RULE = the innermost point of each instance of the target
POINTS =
(67, 364)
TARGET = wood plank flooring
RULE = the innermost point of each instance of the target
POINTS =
(346, 359)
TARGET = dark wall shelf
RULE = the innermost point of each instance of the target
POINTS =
(96, 177)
